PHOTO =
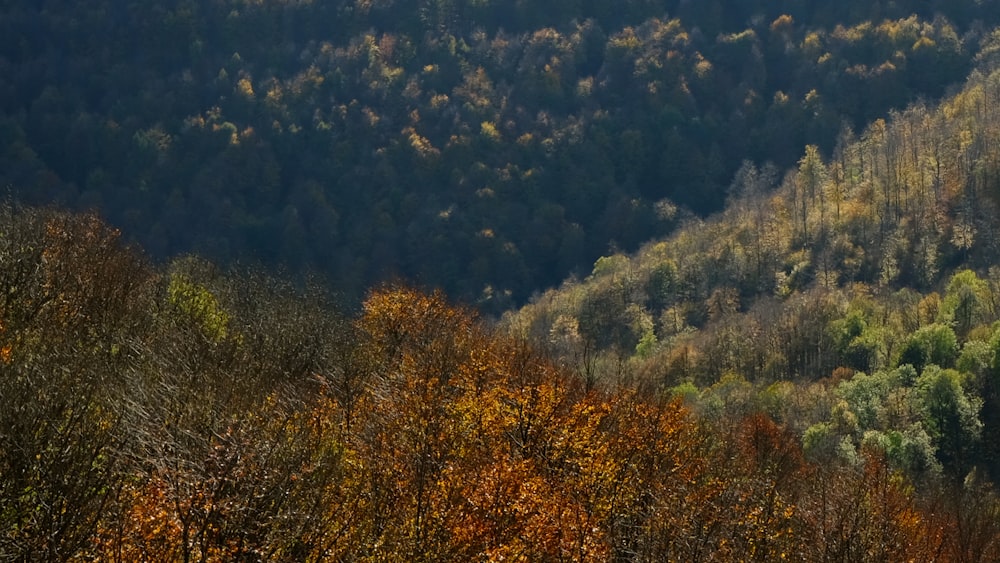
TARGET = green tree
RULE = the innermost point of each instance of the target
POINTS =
(950, 415)
(867, 394)
(934, 344)
(856, 340)
(966, 302)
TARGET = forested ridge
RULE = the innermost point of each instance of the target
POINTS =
(776, 227)
(854, 299)
(487, 148)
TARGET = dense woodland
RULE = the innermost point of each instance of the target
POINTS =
(854, 299)
(489, 148)
(784, 343)
(187, 414)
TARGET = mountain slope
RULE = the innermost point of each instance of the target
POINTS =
(901, 206)
(881, 260)
(489, 148)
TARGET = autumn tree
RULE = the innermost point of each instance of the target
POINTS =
(70, 323)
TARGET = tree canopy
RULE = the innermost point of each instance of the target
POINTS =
(184, 412)
(488, 148)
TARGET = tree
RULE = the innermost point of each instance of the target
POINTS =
(966, 302)
(810, 190)
(865, 513)
(950, 416)
(71, 302)
(934, 344)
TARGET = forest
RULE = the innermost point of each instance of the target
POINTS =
(185, 413)
(477, 280)
(869, 279)
(490, 148)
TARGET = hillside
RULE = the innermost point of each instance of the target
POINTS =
(487, 148)
(776, 226)
(869, 279)
(799, 377)
(182, 413)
